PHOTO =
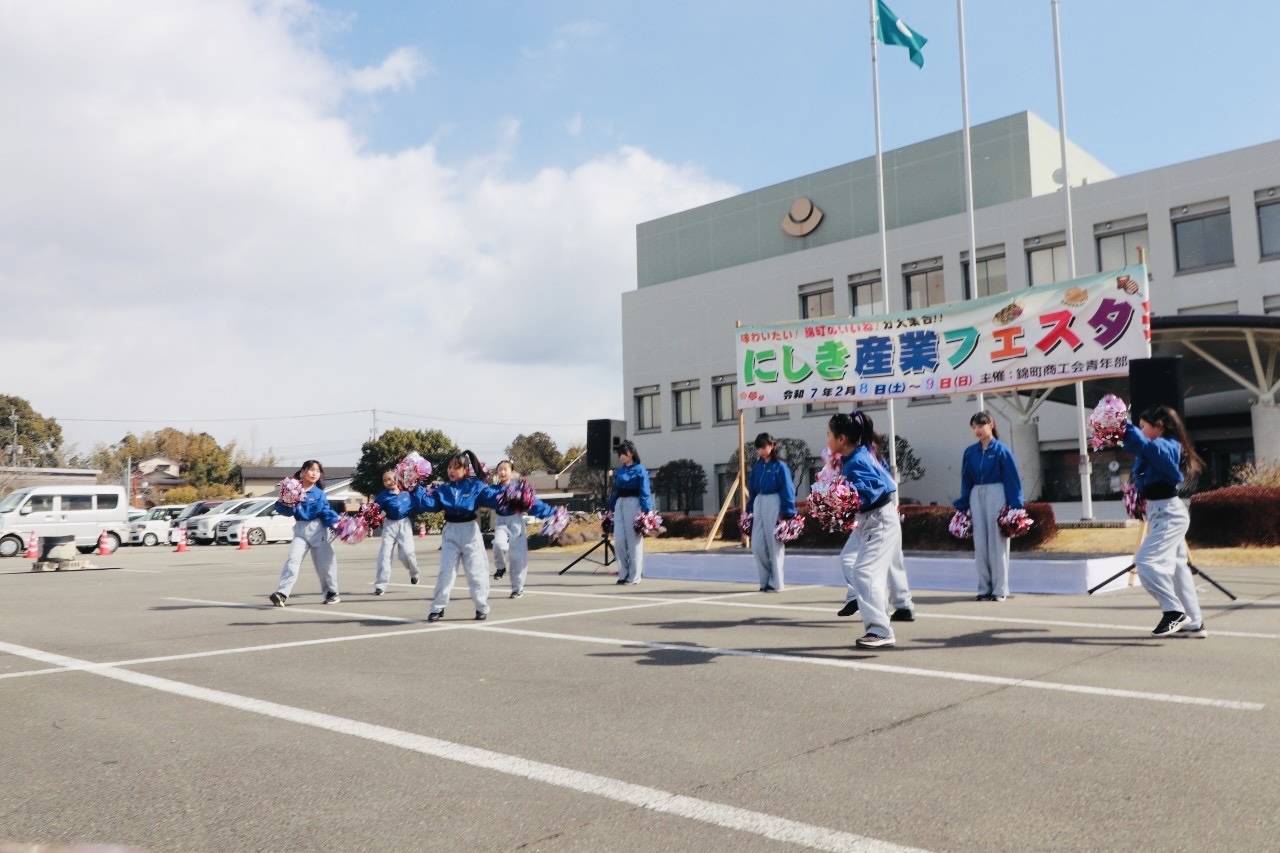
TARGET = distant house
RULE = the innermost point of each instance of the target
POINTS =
(19, 478)
(153, 477)
(163, 464)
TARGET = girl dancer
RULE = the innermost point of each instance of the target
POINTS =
(771, 496)
(1164, 455)
(461, 542)
(989, 481)
(630, 497)
(877, 542)
(312, 519)
(511, 536)
(397, 532)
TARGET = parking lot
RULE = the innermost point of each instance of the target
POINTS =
(159, 702)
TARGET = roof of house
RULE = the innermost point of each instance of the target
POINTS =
(278, 472)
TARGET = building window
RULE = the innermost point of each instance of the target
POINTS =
(1117, 250)
(1046, 264)
(818, 408)
(1202, 236)
(992, 276)
(684, 404)
(648, 416)
(867, 297)
(1269, 224)
(1271, 305)
(771, 413)
(924, 284)
(724, 393)
(817, 300)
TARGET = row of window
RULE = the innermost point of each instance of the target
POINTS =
(1201, 240)
(686, 405)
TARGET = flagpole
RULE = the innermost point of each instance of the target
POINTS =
(884, 240)
(1086, 465)
(968, 171)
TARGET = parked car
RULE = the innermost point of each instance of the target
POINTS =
(260, 522)
(153, 528)
(203, 529)
(193, 510)
(135, 514)
(85, 512)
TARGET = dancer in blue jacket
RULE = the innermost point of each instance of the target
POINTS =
(1165, 457)
(458, 499)
(877, 542)
(312, 519)
(989, 481)
(771, 497)
(511, 535)
(397, 533)
(630, 497)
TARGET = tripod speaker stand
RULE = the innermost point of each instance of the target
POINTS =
(608, 552)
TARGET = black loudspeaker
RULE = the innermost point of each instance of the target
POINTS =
(603, 436)
(1155, 382)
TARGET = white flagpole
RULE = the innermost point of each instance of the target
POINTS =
(884, 240)
(1086, 465)
(968, 171)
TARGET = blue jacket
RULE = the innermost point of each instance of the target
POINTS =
(315, 504)
(772, 478)
(455, 498)
(1157, 460)
(627, 478)
(867, 476)
(395, 504)
(995, 465)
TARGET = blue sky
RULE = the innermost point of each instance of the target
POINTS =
(248, 216)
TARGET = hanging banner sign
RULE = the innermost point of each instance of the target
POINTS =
(1042, 336)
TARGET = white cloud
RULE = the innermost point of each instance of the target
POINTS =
(188, 230)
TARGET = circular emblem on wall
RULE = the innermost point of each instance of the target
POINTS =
(802, 218)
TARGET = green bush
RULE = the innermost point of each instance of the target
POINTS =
(1235, 515)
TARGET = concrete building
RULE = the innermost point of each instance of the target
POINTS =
(1208, 230)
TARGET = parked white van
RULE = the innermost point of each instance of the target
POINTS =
(80, 511)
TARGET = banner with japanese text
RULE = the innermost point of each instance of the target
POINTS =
(1048, 335)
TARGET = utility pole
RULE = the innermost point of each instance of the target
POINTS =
(373, 433)
(13, 448)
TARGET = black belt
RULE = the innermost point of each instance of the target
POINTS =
(628, 493)
(884, 499)
(460, 518)
(1159, 491)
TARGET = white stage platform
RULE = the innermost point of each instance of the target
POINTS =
(1066, 574)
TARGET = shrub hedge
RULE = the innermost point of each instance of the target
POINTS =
(1235, 515)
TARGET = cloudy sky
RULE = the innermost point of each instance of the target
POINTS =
(269, 220)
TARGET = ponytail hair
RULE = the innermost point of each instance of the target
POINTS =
(1167, 418)
(857, 428)
(764, 439)
(467, 459)
(305, 465)
(984, 417)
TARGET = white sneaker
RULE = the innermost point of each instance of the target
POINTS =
(1196, 631)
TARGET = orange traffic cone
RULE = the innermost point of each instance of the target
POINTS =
(422, 531)
(182, 541)
(104, 548)
(244, 538)
(33, 547)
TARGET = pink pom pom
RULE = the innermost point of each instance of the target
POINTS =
(517, 496)
(834, 506)
(744, 523)
(1134, 505)
(291, 491)
(412, 471)
(789, 529)
(606, 523)
(373, 515)
(831, 467)
(1014, 522)
(648, 523)
(961, 525)
(556, 524)
(351, 529)
(1107, 423)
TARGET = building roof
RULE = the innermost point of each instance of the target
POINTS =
(279, 472)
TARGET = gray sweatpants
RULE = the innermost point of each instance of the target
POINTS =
(991, 549)
(310, 536)
(628, 544)
(397, 536)
(866, 560)
(462, 543)
(511, 548)
(1162, 558)
(765, 547)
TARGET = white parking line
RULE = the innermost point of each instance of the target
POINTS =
(666, 802)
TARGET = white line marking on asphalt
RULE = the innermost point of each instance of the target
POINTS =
(655, 799)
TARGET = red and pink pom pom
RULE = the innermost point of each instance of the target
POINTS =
(834, 506)
(291, 491)
(648, 523)
(1013, 522)
(412, 471)
(1134, 505)
(606, 523)
(744, 523)
(1107, 423)
(351, 529)
(517, 496)
(831, 467)
(789, 529)
(373, 515)
(961, 525)
(556, 524)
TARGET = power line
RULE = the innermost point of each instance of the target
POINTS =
(206, 420)
(482, 423)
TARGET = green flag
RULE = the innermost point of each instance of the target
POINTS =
(893, 30)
